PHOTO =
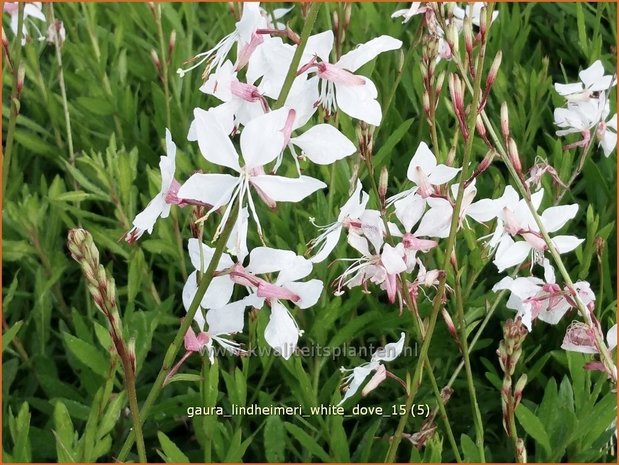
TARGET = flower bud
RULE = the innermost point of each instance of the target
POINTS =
(171, 42)
(21, 76)
(383, 183)
(347, 15)
(468, 36)
(521, 452)
(426, 102)
(514, 157)
(131, 353)
(505, 120)
(439, 82)
(450, 325)
(483, 21)
(479, 125)
(494, 69)
(520, 384)
(452, 38)
(335, 21)
(5, 40)
(155, 59)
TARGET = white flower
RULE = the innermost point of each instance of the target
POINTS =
(262, 140)
(168, 195)
(355, 380)
(31, 10)
(339, 87)
(408, 13)
(349, 215)
(244, 37)
(474, 11)
(593, 80)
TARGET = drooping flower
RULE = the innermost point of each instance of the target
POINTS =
(407, 13)
(339, 87)
(358, 375)
(167, 196)
(581, 338)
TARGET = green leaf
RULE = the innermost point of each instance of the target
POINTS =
(533, 426)
(171, 452)
(10, 333)
(388, 146)
(470, 452)
(307, 442)
(87, 354)
(64, 434)
(274, 439)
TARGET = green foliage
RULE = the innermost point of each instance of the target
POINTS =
(63, 397)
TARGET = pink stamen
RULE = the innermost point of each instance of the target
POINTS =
(247, 92)
(272, 291)
(338, 75)
(247, 50)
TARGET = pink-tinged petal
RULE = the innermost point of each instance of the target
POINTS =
(579, 338)
(281, 333)
(318, 44)
(566, 244)
(308, 292)
(214, 143)
(390, 352)
(510, 253)
(193, 342)
(327, 245)
(324, 144)
(211, 189)
(251, 19)
(442, 174)
(554, 218)
(424, 159)
(262, 140)
(267, 260)
(146, 219)
(366, 52)
(379, 376)
(359, 101)
(409, 210)
(228, 319)
(282, 189)
(611, 337)
(568, 89)
(392, 260)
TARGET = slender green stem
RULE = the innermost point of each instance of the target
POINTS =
(63, 90)
(172, 351)
(135, 409)
(10, 134)
(479, 427)
(296, 59)
(164, 64)
(451, 239)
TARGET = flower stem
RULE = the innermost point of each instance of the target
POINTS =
(172, 351)
(584, 154)
(164, 64)
(479, 427)
(10, 134)
(296, 59)
(438, 299)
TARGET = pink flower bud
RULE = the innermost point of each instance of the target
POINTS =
(494, 69)
(379, 377)
(21, 76)
(171, 42)
(505, 120)
(383, 182)
(514, 157)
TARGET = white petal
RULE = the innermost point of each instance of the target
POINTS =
(510, 253)
(237, 243)
(390, 352)
(566, 244)
(359, 243)
(145, 220)
(611, 337)
(554, 218)
(483, 210)
(358, 377)
(327, 245)
(262, 140)
(392, 260)
(281, 333)
(309, 292)
(298, 268)
(442, 174)
(269, 260)
(201, 255)
(355, 205)
(228, 319)
(592, 74)
(424, 159)
(282, 189)
(409, 210)
(437, 220)
(211, 189)
(568, 89)
(324, 144)
(364, 53)
(359, 101)
(318, 44)
(215, 145)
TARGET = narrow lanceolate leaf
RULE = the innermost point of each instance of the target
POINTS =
(170, 451)
(533, 426)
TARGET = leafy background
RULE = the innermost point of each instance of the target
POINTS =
(61, 385)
